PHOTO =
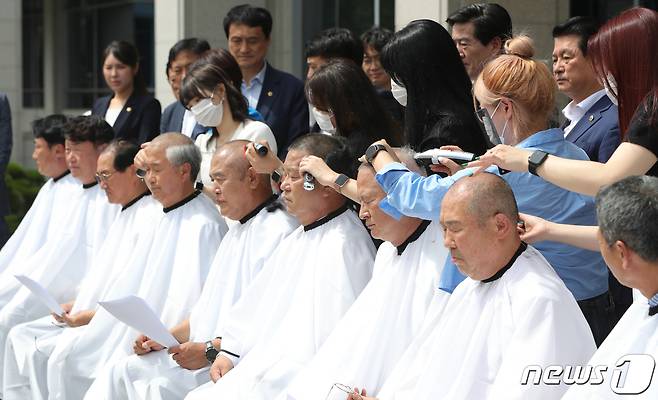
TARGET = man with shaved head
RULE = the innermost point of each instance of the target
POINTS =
(512, 311)
(178, 260)
(242, 195)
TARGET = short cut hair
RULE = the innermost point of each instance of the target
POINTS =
(124, 152)
(627, 211)
(376, 37)
(214, 67)
(332, 149)
(91, 128)
(50, 128)
(583, 27)
(180, 154)
(251, 16)
(487, 194)
(335, 43)
(490, 20)
(193, 45)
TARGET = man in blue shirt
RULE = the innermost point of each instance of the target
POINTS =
(584, 272)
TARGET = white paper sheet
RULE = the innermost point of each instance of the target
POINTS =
(41, 293)
(136, 313)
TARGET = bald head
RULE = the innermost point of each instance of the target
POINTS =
(237, 187)
(232, 155)
(485, 195)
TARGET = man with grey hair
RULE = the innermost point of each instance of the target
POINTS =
(170, 281)
(512, 310)
(244, 196)
(627, 213)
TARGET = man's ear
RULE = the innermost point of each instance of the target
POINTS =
(625, 254)
(253, 178)
(503, 225)
(186, 170)
(59, 150)
(496, 44)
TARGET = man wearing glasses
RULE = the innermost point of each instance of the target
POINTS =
(31, 343)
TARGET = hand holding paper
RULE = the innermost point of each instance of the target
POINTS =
(136, 313)
(41, 293)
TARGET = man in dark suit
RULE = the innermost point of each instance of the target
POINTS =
(592, 120)
(5, 154)
(276, 95)
(175, 118)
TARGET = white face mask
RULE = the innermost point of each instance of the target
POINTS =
(323, 119)
(207, 113)
(611, 91)
(502, 134)
(399, 93)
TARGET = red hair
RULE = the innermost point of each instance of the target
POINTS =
(626, 47)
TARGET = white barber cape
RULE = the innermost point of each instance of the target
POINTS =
(170, 281)
(634, 340)
(365, 345)
(61, 264)
(288, 312)
(244, 251)
(490, 331)
(29, 344)
(44, 218)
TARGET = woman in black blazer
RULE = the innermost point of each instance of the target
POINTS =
(133, 113)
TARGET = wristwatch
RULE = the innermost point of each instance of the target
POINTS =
(536, 159)
(211, 352)
(371, 152)
(340, 181)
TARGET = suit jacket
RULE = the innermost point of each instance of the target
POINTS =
(597, 132)
(172, 120)
(5, 152)
(282, 103)
(139, 119)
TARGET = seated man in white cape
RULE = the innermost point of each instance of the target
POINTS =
(170, 281)
(627, 213)
(60, 265)
(512, 310)
(53, 202)
(29, 344)
(316, 274)
(390, 310)
(242, 195)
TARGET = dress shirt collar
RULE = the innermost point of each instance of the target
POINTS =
(542, 137)
(574, 112)
(653, 305)
(257, 79)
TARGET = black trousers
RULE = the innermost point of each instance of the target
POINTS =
(4, 232)
(599, 312)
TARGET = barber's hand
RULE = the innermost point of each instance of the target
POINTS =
(145, 345)
(505, 157)
(190, 355)
(389, 150)
(140, 157)
(359, 395)
(78, 319)
(319, 169)
(447, 166)
(220, 367)
(67, 309)
(534, 229)
(262, 164)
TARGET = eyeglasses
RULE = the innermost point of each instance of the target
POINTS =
(342, 388)
(104, 176)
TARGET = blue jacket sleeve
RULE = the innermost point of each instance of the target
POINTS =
(410, 194)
